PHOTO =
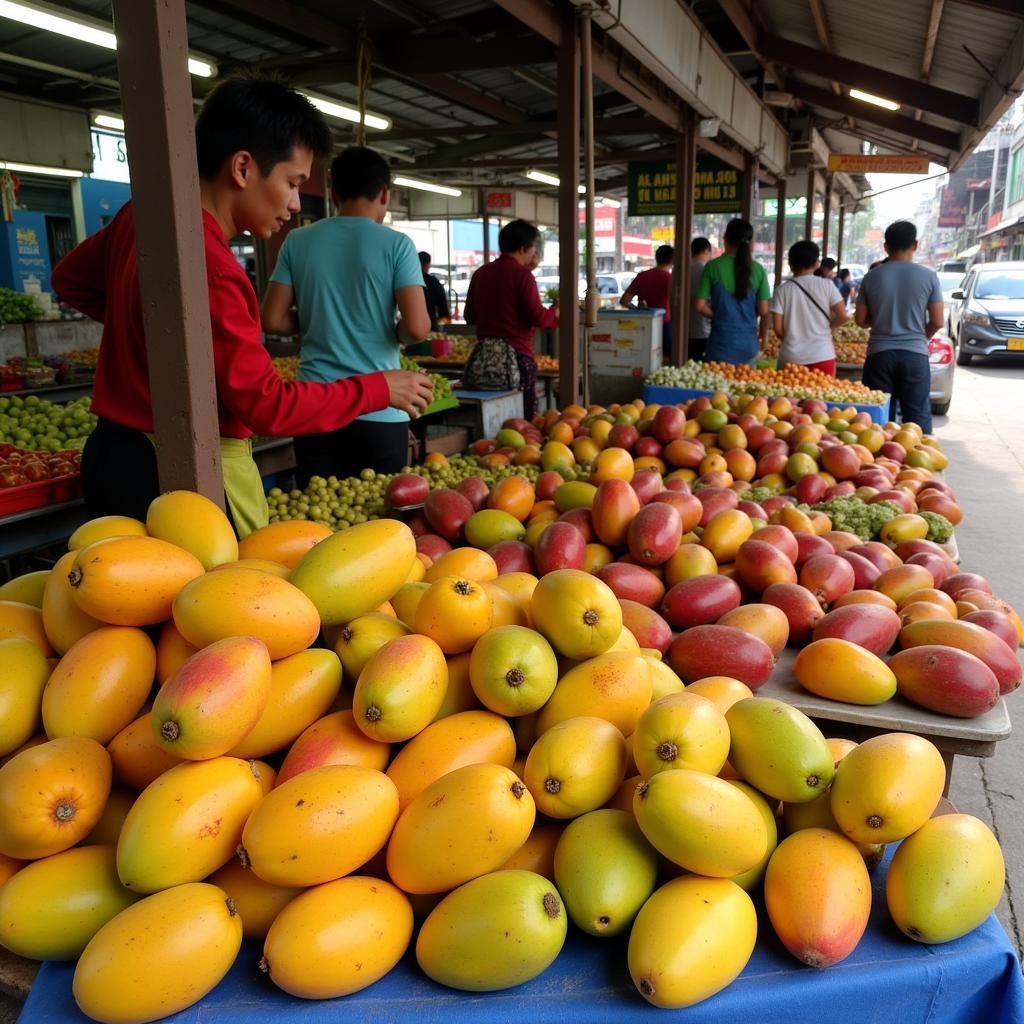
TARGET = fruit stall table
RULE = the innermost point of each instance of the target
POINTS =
(483, 412)
(38, 528)
(887, 978)
(971, 737)
(453, 369)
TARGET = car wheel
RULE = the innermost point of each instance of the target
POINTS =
(940, 408)
(963, 358)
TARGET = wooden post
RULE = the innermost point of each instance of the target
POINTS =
(487, 238)
(747, 195)
(809, 214)
(156, 99)
(827, 208)
(839, 240)
(780, 232)
(568, 207)
(686, 160)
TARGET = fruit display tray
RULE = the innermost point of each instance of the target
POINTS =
(440, 405)
(39, 493)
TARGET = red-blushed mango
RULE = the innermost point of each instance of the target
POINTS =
(764, 621)
(842, 670)
(966, 636)
(869, 626)
(630, 582)
(136, 755)
(63, 621)
(946, 680)
(334, 739)
(801, 608)
(285, 543)
(614, 508)
(760, 564)
(721, 650)
(257, 902)
(700, 601)
(194, 523)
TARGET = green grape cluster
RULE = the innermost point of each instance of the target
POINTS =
(17, 308)
(442, 385)
(36, 424)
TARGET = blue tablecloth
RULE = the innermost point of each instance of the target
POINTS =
(975, 980)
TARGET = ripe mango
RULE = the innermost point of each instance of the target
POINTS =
(257, 902)
(945, 879)
(842, 670)
(682, 730)
(24, 621)
(213, 701)
(575, 766)
(605, 870)
(579, 615)
(818, 896)
(159, 956)
(721, 650)
(244, 602)
(663, 679)
(700, 822)
(320, 825)
(137, 756)
(887, 787)
(24, 671)
(724, 534)
(104, 527)
(100, 685)
(764, 621)
(513, 670)
(362, 638)
(946, 680)
(285, 543)
(334, 739)
(778, 749)
(195, 524)
(186, 824)
(869, 626)
(537, 854)
(691, 938)
(338, 938)
(468, 939)
(172, 651)
(353, 572)
(966, 636)
(27, 588)
(64, 622)
(465, 824)
(751, 879)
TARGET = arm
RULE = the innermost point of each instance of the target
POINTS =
(80, 278)
(703, 307)
(278, 317)
(861, 315)
(779, 325)
(533, 312)
(934, 318)
(764, 320)
(444, 311)
(414, 324)
(627, 297)
(839, 316)
(702, 294)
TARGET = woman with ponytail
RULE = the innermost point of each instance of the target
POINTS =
(733, 293)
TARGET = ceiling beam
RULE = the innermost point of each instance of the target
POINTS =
(289, 19)
(606, 126)
(906, 91)
(932, 134)
(750, 27)
(524, 162)
(1011, 8)
(466, 96)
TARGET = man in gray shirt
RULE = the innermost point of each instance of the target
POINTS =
(700, 326)
(901, 302)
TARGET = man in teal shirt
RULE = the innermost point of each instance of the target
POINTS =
(345, 276)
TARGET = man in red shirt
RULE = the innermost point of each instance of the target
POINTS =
(503, 302)
(256, 141)
(653, 288)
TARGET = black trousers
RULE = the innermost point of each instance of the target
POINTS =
(119, 473)
(527, 382)
(695, 348)
(908, 378)
(363, 444)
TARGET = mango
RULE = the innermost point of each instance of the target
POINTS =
(966, 636)
(195, 524)
(630, 582)
(691, 938)
(946, 680)
(605, 870)
(24, 621)
(111, 821)
(579, 615)
(841, 670)
(334, 739)
(700, 822)
(818, 896)
(100, 685)
(257, 902)
(27, 588)
(700, 601)
(513, 670)
(338, 938)
(214, 700)
(724, 534)
(722, 691)
(750, 879)
(401, 688)
(467, 939)
(465, 824)
(186, 824)
(945, 879)
(244, 602)
(104, 527)
(69, 781)
(615, 686)
(303, 688)
(721, 650)
(137, 756)
(131, 581)
(761, 564)
(827, 577)
(63, 621)
(903, 528)
(887, 787)
(764, 621)
(362, 638)
(285, 543)
(172, 651)
(575, 766)
(455, 612)
(801, 608)
(778, 749)
(159, 956)
(537, 854)
(663, 680)
(681, 730)
(351, 573)
(24, 671)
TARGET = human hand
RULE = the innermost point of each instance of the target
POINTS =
(409, 391)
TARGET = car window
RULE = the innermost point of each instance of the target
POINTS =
(950, 282)
(968, 282)
(1007, 284)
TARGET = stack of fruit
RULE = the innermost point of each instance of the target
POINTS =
(36, 424)
(848, 352)
(547, 364)
(459, 346)
(86, 358)
(442, 385)
(509, 752)
(18, 308)
(19, 467)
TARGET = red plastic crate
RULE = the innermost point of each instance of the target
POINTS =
(39, 493)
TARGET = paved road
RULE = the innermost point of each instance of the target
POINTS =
(984, 438)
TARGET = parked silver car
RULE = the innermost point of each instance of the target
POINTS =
(986, 314)
(942, 363)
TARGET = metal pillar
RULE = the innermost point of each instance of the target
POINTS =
(839, 240)
(686, 159)
(487, 238)
(827, 208)
(156, 99)
(809, 214)
(568, 207)
(780, 233)
(749, 179)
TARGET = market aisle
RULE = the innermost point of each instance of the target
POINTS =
(982, 436)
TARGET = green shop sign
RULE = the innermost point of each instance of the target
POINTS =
(652, 187)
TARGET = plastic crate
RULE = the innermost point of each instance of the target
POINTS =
(39, 493)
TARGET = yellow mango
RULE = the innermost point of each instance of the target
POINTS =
(537, 854)
(682, 730)
(285, 543)
(663, 678)
(137, 756)
(751, 878)
(470, 563)
(64, 622)
(465, 824)
(459, 695)
(513, 670)
(159, 956)
(108, 828)
(578, 613)
(26, 589)
(407, 599)
(243, 602)
(361, 638)
(104, 528)
(24, 671)
(257, 902)
(186, 824)
(194, 523)
(52, 907)
(841, 670)
(172, 651)
(350, 573)
(100, 685)
(260, 564)
(24, 621)
(338, 938)
(320, 825)
(725, 532)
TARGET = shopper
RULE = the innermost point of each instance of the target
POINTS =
(256, 141)
(346, 275)
(805, 312)
(653, 289)
(901, 301)
(503, 302)
(700, 326)
(844, 282)
(827, 268)
(434, 294)
(734, 294)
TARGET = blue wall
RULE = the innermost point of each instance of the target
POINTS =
(101, 200)
(24, 251)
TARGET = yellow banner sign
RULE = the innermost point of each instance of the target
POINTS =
(882, 163)
(663, 234)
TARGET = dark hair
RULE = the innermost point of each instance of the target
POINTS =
(901, 235)
(663, 254)
(803, 254)
(425, 258)
(699, 245)
(843, 274)
(260, 115)
(359, 173)
(740, 233)
(828, 264)
(517, 235)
